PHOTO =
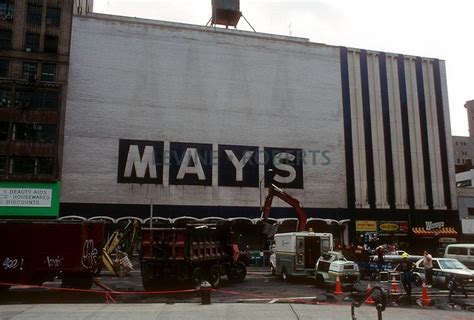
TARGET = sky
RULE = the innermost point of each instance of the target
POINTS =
(428, 28)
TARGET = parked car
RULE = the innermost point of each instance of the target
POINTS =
(464, 252)
(444, 270)
(392, 259)
(332, 265)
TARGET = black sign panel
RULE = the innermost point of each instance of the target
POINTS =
(140, 162)
(286, 165)
(190, 164)
(238, 166)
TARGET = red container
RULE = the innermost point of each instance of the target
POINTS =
(35, 251)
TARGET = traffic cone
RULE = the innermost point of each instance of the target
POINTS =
(425, 299)
(338, 286)
(369, 299)
(394, 285)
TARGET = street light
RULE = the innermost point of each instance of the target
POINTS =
(260, 187)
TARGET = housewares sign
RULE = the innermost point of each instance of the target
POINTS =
(25, 197)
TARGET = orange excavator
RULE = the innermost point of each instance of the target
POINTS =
(274, 191)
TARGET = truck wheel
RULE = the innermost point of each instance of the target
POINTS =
(149, 281)
(215, 277)
(241, 271)
(284, 274)
(76, 282)
(197, 278)
(319, 281)
(237, 272)
(272, 269)
(4, 290)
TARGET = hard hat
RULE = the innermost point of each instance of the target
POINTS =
(405, 255)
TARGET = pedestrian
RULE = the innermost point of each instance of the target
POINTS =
(380, 258)
(406, 269)
(428, 264)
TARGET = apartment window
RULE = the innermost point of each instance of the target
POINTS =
(48, 72)
(7, 9)
(45, 166)
(34, 132)
(5, 39)
(32, 42)
(53, 17)
(51, 44)
(3, 165)
(22, 165)
(33, 14)
(5, 98)
(4, 68)
(37, 99)
(30, 165)
(30, 70)
(470, 212)
(458, 161)
(4, 130)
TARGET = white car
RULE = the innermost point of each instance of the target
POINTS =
(444, 270)
(332, 265)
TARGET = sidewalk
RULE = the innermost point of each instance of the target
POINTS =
(216, 311)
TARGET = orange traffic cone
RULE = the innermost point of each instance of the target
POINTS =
(369, 299)
(394, 285)
(338, 286)
(425, 299)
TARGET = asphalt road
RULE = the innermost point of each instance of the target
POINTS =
(259, 287)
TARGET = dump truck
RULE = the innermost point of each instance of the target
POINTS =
(35, 251)
(192, 254)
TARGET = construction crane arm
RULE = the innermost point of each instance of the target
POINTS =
(274, 191)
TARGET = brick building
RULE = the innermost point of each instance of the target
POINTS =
(34, 62)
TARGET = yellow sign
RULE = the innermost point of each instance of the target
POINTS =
(389, 227)
(366, 225)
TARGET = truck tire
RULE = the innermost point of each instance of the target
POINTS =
(237, 272)
(215, 276)
(197, 278)
(149, 281)
(320, 281)
(284, 274)
(77, 281)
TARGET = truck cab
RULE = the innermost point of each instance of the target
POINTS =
(295, 253)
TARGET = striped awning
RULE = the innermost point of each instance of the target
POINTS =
(422, 232)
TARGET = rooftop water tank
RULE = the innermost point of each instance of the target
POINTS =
(226, 12)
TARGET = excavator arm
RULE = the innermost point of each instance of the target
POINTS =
(274, 191)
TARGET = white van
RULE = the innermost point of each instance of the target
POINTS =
(464, 252)
(296, 253)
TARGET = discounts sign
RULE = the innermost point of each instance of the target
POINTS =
(22, 197)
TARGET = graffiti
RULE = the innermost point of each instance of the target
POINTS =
(89, 255)
(54, 262)
(12, 264)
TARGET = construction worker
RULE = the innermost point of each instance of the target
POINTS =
(406, 269)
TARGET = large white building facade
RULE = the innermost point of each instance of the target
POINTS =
(189, 120)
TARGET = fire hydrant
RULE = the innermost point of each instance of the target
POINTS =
(206, 289)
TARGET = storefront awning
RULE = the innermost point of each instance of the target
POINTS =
(422, 232)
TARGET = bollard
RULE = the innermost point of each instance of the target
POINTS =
(205, 292)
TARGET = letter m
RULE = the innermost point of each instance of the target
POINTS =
(140, 161)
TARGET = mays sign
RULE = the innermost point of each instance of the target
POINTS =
(194, 164)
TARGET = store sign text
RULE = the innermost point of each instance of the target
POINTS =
(194, 164)
(25, 197)
(433, 225)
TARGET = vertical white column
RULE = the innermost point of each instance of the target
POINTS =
(396, 134)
